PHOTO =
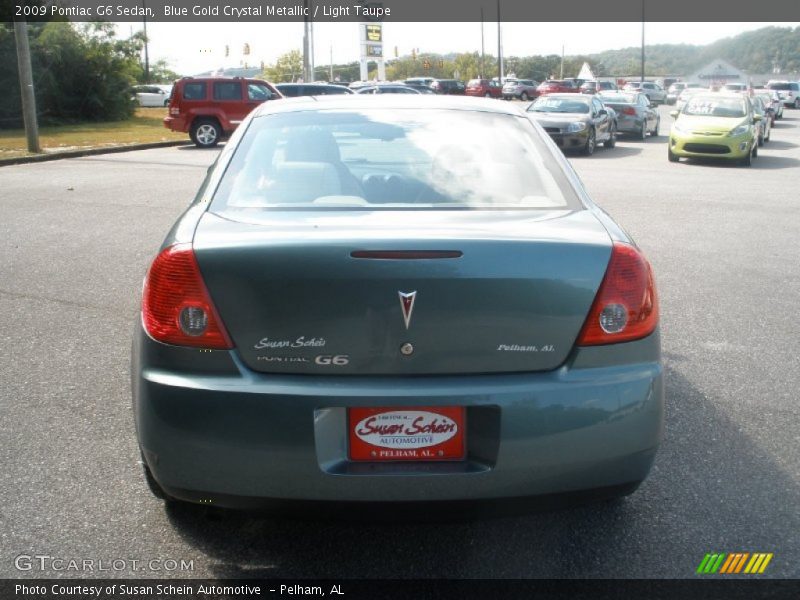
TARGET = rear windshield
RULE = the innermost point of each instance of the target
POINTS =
(712, 106)
(620, 98)
(780, 86)
(402, 158)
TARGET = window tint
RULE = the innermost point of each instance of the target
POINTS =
(194, 91)
(368, 159)
(227, 90)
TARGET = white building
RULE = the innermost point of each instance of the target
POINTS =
(718, 72)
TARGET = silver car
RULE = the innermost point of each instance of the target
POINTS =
(654, 92)
(635, 113)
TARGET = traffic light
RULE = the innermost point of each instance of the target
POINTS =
(246, 49)
(227, 50)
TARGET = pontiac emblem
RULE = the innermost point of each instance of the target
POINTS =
(407, 305)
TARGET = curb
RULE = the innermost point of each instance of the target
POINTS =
(21, 160)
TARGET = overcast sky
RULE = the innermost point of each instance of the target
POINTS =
(191, 48)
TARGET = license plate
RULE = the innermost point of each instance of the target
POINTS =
(395, 434)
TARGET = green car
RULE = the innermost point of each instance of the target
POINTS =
(715, 125)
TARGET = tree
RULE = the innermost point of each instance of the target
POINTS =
(288, 67)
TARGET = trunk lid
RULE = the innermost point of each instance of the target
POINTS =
(297, 294)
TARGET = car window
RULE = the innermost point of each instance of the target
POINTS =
(713, 106)
(194, 91)
(258, 92)
(560, 105)
(406, 158)
(227, 90)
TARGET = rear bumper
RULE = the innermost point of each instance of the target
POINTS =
(570, 141)
(225, 435)
(176, 124)
(628, 124)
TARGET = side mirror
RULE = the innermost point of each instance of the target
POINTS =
(674, 113)
(602, 112)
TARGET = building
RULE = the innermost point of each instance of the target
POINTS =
(718, 72)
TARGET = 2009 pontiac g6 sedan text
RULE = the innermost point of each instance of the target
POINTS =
(395, 298)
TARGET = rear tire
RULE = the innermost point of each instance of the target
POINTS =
(612, 139)
(654, 133)
(524, 96)
(205, 133)
(487, 95)
(643, 131)
(591, 144)
(760, 140)
(672, 156)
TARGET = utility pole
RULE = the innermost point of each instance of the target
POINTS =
(306, 64)
(312, 68)
(499, 47)
(642, 41)
(561, 76)
(26, 86)
(146, 51)
(331, 75)
(483, 53)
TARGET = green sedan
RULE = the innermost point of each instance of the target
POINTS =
(715, 125)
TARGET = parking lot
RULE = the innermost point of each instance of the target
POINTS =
(76, 237)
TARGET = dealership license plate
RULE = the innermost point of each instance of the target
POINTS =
(419, 433)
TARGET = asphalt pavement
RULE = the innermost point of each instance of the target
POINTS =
(76, 237)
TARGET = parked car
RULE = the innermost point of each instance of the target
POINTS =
(575, 122)
(292, 90)
(451, 87)
(734, 87)
(421, 88)
(789, 92)
(764, 124)
(687, 93)
(521, 89)
(426, 81)
(152, 95)
(557, 86)
(388, 88)
(654, 92)
(772, 99)
(488, 88)
(676, 88)
(635, 113)
(280, 355)
(210, 108)
(594, 87)
(715, 125)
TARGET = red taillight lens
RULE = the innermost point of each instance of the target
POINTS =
(629, 110)
(176, 307)
(626, 305)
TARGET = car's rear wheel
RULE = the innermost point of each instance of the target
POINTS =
(654, 133)
(612, 138)
(524, 96)
(487, 95)
(206, 133)
(760, 139)
(591, 143)
(672, 156)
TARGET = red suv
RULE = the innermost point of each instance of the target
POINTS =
(558, 86)
(488, 88)
(210, 108)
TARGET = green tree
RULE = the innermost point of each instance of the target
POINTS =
(287, 68)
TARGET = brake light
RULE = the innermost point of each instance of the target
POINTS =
(176, 306)
(174, 111)
(626, 305)
(629, 110)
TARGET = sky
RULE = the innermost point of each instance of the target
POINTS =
(191, 48)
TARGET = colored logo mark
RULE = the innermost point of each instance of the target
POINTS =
(735, 562)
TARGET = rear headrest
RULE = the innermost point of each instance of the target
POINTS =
(313, 146)
(301, 182)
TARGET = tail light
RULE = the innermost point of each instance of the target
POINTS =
(174, 111)
(626, 305)
(629, 110)
(176, 307)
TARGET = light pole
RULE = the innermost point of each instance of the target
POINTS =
(26, 86)
(643, 41)
(146, 52)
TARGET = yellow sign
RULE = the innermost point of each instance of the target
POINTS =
(374, 33)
